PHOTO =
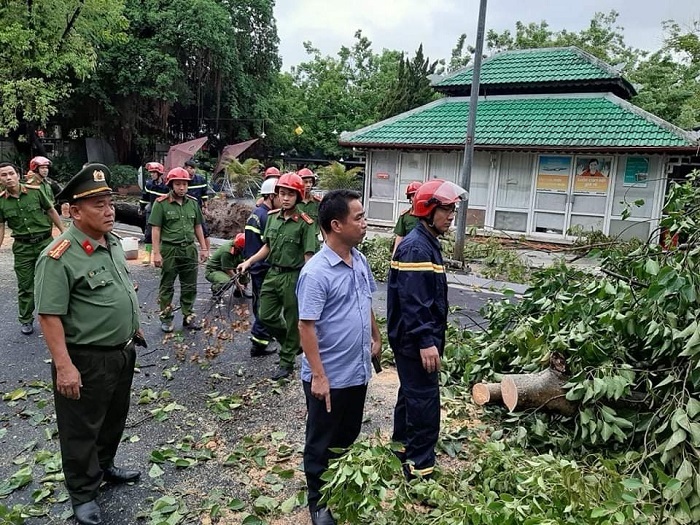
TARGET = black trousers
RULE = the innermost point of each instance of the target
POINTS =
(90, 428)
(259, 334)
(337, 429)
(417, 414)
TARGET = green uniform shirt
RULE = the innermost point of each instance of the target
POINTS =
(223, 260)
(26, 214)
(288, 239)
(177, 221)
(88, 286)
(405, 223)
(45, 188)
(310, 208)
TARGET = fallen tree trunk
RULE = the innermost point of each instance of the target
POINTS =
(486, 393)
(541, 390)
(128, 213)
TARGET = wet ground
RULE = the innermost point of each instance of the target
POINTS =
(208, 429)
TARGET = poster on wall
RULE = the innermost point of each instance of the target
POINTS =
(553, 173)
(636, 172)
(592, 174)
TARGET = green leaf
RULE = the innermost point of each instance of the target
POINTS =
(155, 471)
(651, 267)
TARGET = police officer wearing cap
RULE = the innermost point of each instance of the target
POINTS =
(89, 314)
(29, 213)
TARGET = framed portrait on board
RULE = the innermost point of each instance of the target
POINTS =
(592, 174)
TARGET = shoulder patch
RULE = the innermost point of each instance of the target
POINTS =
(59, 249)
(162, 198)
(274, 211)
(307, 218)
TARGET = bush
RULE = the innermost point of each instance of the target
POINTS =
(122, 175)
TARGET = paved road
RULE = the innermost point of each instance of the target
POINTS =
(178, 378)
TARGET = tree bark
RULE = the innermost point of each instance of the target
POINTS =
(486, 393)
(541, 390)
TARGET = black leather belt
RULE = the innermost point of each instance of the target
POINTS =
(99, 348)
(283, 269)
(33, 239)
(183, 243)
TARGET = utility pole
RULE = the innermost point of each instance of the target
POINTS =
(466, 172)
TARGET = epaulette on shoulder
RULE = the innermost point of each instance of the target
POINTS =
(190, 197)
(32, 187)
(3, 193)
(306, 218)
(56, 251)
(119, 237)
(405, 211)
(317, 198)
(161, 198)
(274, 211)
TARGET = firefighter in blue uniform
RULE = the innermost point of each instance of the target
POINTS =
(416, 324)
(153, 189)
(198, 189)
(254, 229)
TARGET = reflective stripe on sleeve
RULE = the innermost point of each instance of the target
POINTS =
(417, 267)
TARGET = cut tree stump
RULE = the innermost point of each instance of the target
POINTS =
(541, 390)
(486, 393)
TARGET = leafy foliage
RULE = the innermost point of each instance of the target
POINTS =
(378, 252)
(46, 48)
(244, 176)
(337, 176)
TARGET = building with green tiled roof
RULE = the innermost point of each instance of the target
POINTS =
(558, 148)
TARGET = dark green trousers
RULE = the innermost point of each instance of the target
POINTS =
(25, 256)
(279, 312)
(178, 262)
(90, 428)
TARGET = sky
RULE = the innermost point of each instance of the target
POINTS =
(404, 24)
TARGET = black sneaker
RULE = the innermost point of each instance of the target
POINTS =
(27, 328)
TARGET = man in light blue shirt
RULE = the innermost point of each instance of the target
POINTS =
(339, 336)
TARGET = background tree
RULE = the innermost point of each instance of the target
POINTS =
(46, 49)
(204, 64)
(337, 176)
(411, 87)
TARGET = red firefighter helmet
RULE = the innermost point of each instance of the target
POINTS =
(412, 188)
(271, 172)
(239, 241)
(155, 166)
(434, 193)
(291, 181)
(38, 162)
(177, 174)
(306, 173)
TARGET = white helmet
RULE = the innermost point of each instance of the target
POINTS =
(268, 186)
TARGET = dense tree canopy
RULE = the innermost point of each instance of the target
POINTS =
(143, 72)
(46, 49)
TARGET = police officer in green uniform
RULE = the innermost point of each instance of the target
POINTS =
(407, 221)
(309, 203)
(176, 220)
(290, 240)
(29, 214)
(89, 314)
(38, 175)
(221, 266)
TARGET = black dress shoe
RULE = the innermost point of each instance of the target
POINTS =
(322, 516)
(88, 513)
(27, 328)
(119, 475)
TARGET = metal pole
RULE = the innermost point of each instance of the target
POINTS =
(466, 172)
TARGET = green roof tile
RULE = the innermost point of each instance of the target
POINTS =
(602, 122)
(535, 66)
